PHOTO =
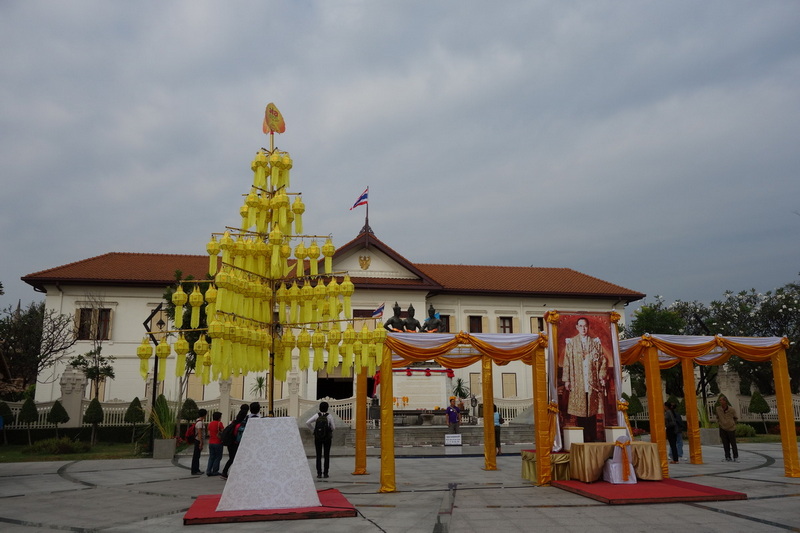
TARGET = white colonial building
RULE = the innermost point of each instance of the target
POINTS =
(113, 294)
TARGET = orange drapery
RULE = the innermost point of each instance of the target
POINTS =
(656, 351)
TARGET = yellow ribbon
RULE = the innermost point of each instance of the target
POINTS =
(626, 464)
(622, 405)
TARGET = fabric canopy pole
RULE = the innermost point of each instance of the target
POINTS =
(489, 450)
(543, 428)
(387, 423)
(783, 396)
(361, 424)
(692, 422)
(658, 432)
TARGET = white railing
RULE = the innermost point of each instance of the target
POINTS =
(742, 405)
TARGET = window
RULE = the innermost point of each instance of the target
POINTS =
(445, 323)
(475, 383)
(506, 324)
(475, 324)
(94, 324)
(537, 324)
(509, 385)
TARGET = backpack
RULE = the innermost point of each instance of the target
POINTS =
(228, 434)
(191, 437)
(240, 431)
(322, 429)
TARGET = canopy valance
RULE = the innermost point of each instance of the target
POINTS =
(703, 350)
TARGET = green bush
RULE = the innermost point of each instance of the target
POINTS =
(64, 445)
(745, 430)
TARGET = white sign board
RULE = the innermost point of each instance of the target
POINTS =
(452, 439)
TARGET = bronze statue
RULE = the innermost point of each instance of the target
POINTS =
(432, 324)
(395, 323)
(411, 323)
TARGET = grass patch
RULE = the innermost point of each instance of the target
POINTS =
(14, 453)
(761, 438)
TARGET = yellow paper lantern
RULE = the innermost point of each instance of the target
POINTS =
(328, 249)
(303, 343)
(162, 352)
(144, 352)
(181, 349)
(313, 255)
(179, 300)
(346, 288)
(318, 342)
(298, 208)
(196, 301)
(213, 251)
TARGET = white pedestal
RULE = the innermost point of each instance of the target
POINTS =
(572, 434)
(271, 470)
(613, 432)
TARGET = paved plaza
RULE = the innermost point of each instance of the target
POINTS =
(438, 490)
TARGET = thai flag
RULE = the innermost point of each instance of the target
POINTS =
(362, 200)
(378, 313)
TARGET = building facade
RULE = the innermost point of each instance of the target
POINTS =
(112, 295)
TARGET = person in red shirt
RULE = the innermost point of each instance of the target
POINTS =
(214, 444)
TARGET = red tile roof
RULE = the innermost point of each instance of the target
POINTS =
(158, 270)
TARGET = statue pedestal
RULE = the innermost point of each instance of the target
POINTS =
(572, 434)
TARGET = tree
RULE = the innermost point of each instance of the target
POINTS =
(32, 341)
(134, 415)
(8, 418)
(190, 334)
(656, 318)
(57, 415)
(188, 410)
(759, 405)
(28, 415)
(95, 366)
(259, 388)
(634, 406)
(93, 416)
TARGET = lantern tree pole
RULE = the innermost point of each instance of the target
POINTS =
(254, 303)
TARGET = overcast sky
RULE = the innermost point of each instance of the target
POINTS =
(655, 145)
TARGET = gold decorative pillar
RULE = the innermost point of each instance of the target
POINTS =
(387, 424)
(655, 403)
(544, 439)
(361, 423)
(783, 399)
(692, 422)
(489, 450)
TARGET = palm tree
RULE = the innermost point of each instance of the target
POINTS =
(259, 388)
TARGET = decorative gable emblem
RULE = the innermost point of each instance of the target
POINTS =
(363, 261)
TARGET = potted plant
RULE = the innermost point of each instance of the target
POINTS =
(163, 419)
(708, 433)
(461, 391)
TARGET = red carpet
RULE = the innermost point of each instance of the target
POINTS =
(204, 510)
(664, 491)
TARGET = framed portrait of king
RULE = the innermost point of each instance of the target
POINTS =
(587, 378)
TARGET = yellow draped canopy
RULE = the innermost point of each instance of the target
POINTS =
(654, 351)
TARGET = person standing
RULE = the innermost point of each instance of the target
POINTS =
(215, 428)
(322, 426)
(233, 444)
(585, 376)
(199, 438)
(453, 415)
(672, 429)
(726, 417)
(498, 421)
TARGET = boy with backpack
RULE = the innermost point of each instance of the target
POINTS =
(322, 425)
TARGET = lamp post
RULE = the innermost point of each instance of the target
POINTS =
(160, 324)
